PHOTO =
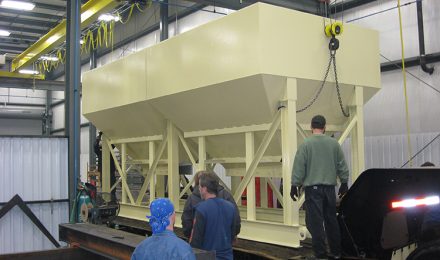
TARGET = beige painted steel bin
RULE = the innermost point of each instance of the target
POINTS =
(227, 92)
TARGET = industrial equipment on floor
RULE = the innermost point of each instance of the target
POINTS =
(388, 210)
(239, 91)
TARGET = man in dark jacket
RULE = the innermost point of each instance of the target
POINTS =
(214, 220)
(195, 198)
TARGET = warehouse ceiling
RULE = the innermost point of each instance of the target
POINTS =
(26, 27)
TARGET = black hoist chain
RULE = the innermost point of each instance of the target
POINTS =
(333, 45)
(338, 91)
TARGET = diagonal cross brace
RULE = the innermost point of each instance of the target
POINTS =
(118, 167)
(190, 183)
(186, 147)
(275, 190)
(258, 155)
(347, 130)
(152, 170)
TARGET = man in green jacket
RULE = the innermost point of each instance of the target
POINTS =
(318, 162)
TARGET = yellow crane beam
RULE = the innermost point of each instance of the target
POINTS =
(89, 13)
(8, 74)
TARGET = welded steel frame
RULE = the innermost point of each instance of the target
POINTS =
(284, 227)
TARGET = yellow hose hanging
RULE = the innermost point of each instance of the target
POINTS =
(90, 41)
(404, 87)
(129, 15)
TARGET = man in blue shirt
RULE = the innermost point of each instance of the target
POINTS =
(214, 225)
(163, 244)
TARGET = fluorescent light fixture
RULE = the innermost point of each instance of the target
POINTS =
(410, 203)
(49, 58)
(4, 33)
(53, 38)
(33, 72)
(108, 17)
(17, 5)
(86, 15)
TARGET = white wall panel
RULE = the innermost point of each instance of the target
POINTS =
(35, 169)
(58, 117)
(387, 24)
(392, 152)
(57, 96)
(147, 40)
(20, 127)
(198, 18)
(385, 112)
(13, 95)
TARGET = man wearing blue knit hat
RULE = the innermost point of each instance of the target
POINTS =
(163, 244)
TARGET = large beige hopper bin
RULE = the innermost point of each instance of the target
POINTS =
(214, 92)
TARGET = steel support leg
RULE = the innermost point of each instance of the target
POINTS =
(151, 154)
(124, 168)
(173, 165)
(105, 175)
(202, 154)
(289, 145)
(250, 189)
(263, 192)
(357, 135)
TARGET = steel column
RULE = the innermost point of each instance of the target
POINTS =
(250, 189)
(47, 117)
(263, 193)
(151, 153)
(124, 174)
(289, 146)
(173, 165)
(357, 134)
(73, 82)
(92, 128)
(163, 24)
(105, 174)
(202, 154)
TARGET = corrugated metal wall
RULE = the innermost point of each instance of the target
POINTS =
(391, 151)
(35, 169)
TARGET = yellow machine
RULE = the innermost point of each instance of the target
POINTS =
(236, 91)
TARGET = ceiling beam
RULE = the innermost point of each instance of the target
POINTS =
(32, 14)
(14, 41)
(4, 51)
(347, 5)
(59, 8)
(26, 21)
(89, 13)
(23, 29)
(31, 84)
(308, 6)
(23, 37)
(12, 48)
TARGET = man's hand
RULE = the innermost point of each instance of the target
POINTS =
(294, 192)
(342, 190)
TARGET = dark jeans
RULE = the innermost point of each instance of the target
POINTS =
(320, 205)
